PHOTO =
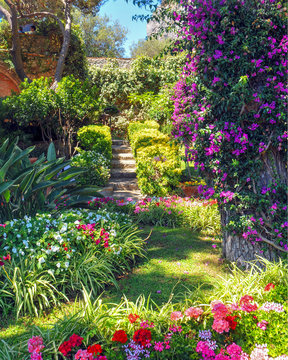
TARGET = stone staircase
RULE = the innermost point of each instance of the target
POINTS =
(123, 181)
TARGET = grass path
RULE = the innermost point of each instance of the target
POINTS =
(177, 260)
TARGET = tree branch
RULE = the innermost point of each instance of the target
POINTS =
(7, 14)
(271, 243)
(43, 14)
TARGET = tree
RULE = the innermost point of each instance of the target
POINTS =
(100, 38)
(60, 10)
(150, 47)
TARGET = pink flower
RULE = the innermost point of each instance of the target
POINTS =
(219, 310)
(234, 349)
(220, 326)
(158, 346)
(83, 355)
(194, 312)
(262, 325)
(176, 315)
(35, 344)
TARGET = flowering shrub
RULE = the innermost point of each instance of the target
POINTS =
(230, 110)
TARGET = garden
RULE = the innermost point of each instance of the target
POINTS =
(197, 267)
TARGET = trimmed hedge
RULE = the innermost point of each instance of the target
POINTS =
(158, 162)
(97, 138)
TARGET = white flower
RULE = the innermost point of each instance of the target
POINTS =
(63, 229)
(68, 256)
(58, 238)
(113, 232)
(48, 252)
(6, 247)
(58, 265)
(21, 252)
(38, 243)
(18, 236)
(14, 250)
(41, 260)
(67, 264)
(25, 242)
(55, 248)
(4, 235)
(77, 222)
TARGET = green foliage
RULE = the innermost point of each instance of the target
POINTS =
(58, 114)
(145, 74)
(158, 161)
(48, 183)
(97, 167)
(150, 47)
(101, 39)
(97, 138)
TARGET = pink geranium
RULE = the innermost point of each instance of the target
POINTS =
(194, 312)
(176, 315)
(220, 325)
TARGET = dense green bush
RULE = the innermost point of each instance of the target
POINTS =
(97, 138)
(58, 114)
(145, 74)
(96, 165)
(158, 169)
(158, 160)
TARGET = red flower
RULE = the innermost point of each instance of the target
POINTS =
(142, 336)
(269, 286)
(7, 257)
(231, 321)
(65, 348)
(120, 336)
(1, 263)
(75, 340)
(94, 349)
(132, 318)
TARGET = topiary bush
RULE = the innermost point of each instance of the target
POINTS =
(230, 115)
(97, 138)
(158, 161)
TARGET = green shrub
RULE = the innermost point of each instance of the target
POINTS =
(97, 138)
(148, 137)
(139, 126)
(96, 165)
(158, 169)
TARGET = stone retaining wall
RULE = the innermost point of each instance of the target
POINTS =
(100, 62)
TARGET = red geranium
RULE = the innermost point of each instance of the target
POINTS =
(75, 340)
(269, 286)
(231, 321)
(65, 348)
(120, 336)
(142, 336)
(133, 317)
(94, 349)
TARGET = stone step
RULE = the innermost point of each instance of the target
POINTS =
(118, 149)
(123, 164)
(120, 194)
(123, 156)
(123, 184)
(127, 173)
(120, 142)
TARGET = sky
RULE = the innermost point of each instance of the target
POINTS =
(123, 12)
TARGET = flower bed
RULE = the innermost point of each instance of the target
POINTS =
(79, 248)
(247, 329)
(171, 211)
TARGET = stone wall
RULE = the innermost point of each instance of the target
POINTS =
(101, 62)
(9, 81)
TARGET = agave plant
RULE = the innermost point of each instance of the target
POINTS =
(46, 185)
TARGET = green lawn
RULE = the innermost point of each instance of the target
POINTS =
(177, 261)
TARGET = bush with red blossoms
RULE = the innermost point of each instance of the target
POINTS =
(230, 112)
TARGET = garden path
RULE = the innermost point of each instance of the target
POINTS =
(123, 181)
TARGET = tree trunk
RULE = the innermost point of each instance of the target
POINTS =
(65, 46)
(16, 45)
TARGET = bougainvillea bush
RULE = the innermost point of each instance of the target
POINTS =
(230, 111)
(245, 328)
(46, 258)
